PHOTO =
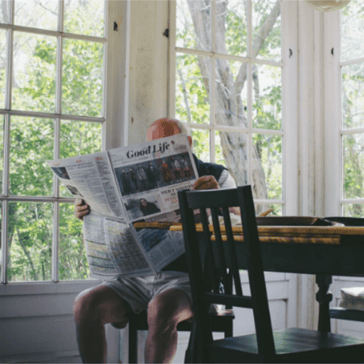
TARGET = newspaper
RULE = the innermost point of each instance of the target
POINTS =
(127, 185)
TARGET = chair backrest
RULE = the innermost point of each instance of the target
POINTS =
(222, 260)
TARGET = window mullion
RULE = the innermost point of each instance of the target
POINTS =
(250, 94)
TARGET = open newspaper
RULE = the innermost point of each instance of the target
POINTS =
(127, 185)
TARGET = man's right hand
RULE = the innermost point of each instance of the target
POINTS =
(81, 208)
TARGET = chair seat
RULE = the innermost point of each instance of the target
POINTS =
(292, 345)
(219, 320)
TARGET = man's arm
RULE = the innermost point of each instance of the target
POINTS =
(81, 208)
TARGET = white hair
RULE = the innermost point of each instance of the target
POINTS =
(184, 128)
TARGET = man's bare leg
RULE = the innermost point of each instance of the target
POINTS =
(165, 311)
(93, 309)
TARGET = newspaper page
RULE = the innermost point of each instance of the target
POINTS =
(149, 176)
(112, 249)
(91, 178)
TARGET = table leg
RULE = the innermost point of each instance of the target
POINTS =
(324, 297)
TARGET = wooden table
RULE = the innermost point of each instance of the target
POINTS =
(330, 250)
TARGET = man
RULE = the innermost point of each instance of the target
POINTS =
(166, 295)
(152, 176)
(142, 177)
(175, 168)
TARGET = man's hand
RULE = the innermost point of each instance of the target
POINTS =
(206, 183)
(81, 209)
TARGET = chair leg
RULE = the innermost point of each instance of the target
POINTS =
(133, 343)
(229, 332)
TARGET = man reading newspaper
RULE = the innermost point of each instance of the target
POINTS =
(166, 295)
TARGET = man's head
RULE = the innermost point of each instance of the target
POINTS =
(166, 127)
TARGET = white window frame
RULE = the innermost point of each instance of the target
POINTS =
(289, 130)
(114, 114)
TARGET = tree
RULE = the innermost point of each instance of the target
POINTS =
(231, 108)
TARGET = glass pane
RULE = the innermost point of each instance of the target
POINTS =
(30, 241)
(79, 138)
(34, 74)
(353, 210)
(3, 35)
(5, 11)
(31, 145)
(267, 29)
(201, 144)
(267, 97)
(82, 78)
(352, 30)
(192, 86)
(353, 163)
(352, 96)
(232, 26)
(84, 17)
(72, 254)
(267, 166)
(276, 209)
(36, 13)
(231, 93)
(231, 150)
(193, 24)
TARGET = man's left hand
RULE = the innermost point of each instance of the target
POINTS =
(206, 183)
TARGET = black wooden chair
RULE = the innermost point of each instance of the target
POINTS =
(266, 345)
(340, 312)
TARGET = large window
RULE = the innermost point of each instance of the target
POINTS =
(352, 111)
(226, 82)
(51, 104)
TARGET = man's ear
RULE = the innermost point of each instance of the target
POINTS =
(189, 140)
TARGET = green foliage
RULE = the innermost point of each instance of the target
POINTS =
(32, 144)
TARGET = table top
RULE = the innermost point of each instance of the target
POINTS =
(277, 234)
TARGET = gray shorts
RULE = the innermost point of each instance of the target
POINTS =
(139, 291)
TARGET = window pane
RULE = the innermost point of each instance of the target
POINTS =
(36, 13)
(267, 97)
(232, 23)
(352, 30)
(231, 150)
(82, 78)
(201, 144)
(277, 209)
(84, 17)
(267, 166)
(31, 145)
(231, 93)
(353, 160)
(192, 83)
(3, 35)
(353, 210)
(34, 77)
(353, 96)
(30, 241)
(78, 138)
(72, 254)
(267, 29)
(5, 11)
(193, 24)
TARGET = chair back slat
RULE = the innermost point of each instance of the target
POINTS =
(232, 252)
(217, 246)
(210, 259)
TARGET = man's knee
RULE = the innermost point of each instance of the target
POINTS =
(100, 304)
(167, 309)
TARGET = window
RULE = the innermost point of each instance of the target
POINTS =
(352, 108)
(226, 81)
(51, 100)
